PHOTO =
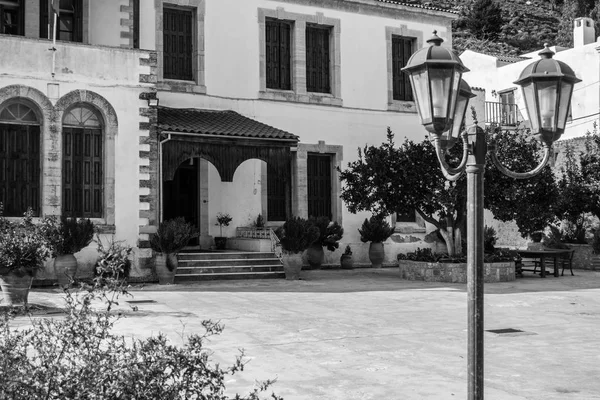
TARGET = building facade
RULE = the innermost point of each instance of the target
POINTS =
(147, 110)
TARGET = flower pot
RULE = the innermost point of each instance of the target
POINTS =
(15, 288)
(220, 243)
(376, 254)
(315, 255)
(165, 275)
(65, 268)
(346, 261)
(292, 265)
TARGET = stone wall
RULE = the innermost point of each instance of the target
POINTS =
(453, 272)
(584, 258)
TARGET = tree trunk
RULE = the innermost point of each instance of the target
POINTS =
(453, 240)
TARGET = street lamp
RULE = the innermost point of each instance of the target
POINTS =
(442, 98)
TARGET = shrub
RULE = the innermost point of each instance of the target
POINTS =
(425, 254)
(260, 222)
(375, 229)
(223, 220)
(297, 234)
(330, 233)
(73, 235)
(489, 239)
(114, 260)
(596, 242)
(347, 251)
(79, 357)
(172, 235)
(555, 239)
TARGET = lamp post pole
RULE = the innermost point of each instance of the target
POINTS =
(442, 97)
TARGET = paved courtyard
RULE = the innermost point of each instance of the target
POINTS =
(366, 334)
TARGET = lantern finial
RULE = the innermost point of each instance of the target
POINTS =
(435, 40)
(546, 53)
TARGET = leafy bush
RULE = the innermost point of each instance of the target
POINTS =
(114, 260)
(260, 222)
(172, 235)
(297, 234)
(596, 242)
(489, 239)
(375, 229)
(24, 245)
(72, 235)
(330, 233)
(348, 251)
(223, 220)
(79, 357)
(425, 255)
(555, 240)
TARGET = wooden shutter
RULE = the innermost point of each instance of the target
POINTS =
(276, 203)
(19, 169)
(82, 172)
(77, 21)
(177, 44)
(278, 54)
(136, 24)
(402, 49)
(44, 19)
(319, 185)
(317, 60)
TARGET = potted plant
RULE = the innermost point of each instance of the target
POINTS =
(24, 246)
(346, 261)
(72, 236)
(222, 220)
(295, 236)
(260, 222)
(171, 236)
(375, 230)
(330, 234)
(113, 261)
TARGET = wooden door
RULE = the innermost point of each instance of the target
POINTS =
(319, 185)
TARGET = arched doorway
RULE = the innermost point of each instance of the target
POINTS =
(181, 195)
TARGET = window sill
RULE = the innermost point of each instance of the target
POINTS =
(181, 86)
(408, 228)
(402, 106)
(309, 98)
(105, 229)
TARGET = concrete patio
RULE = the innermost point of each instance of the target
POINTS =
(367, 334)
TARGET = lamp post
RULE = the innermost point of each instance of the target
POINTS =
(442, 98)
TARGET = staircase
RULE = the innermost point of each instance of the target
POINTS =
(204, 266)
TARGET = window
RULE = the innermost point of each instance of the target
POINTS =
(408, 217)
(276, 191)
(402, 49)
(11, 17)
(318, 177)
(317, 59)
(19, 160)
(82, 174)
(136, 24)
(508, 108)
(278, 51)
(177, 42)
(69, 25)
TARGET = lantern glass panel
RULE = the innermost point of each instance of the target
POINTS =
(440, 79)
(420, 85)
(546, 92)
(565, 102)
(531, 106)
(454, 93)
(459, 115)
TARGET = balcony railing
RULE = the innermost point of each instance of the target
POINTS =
(502, 114)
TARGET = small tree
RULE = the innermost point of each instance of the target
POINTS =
(485, 19)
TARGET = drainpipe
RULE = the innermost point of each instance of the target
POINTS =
(160, 177)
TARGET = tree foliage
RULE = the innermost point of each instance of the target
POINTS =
(485, 19)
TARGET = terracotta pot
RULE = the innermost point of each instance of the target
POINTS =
(165, 276)
(15, 288)
(292, 265)
(376, 254)
(220, 243)
(65, 268)
(346, 261)
(315, 255)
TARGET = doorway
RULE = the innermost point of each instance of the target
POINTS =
(180, 195)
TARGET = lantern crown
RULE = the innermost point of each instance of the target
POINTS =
(547, 67)
(434, 54)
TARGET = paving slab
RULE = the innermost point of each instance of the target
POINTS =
(367, 334)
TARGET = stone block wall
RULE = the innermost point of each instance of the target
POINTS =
(453, 272)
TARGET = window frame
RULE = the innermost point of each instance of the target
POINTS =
(298, 92)
(406, 92)
(20, 8)
(402, 31)
(279, 25)
(313, 32)
(188, 23)
(79, 24)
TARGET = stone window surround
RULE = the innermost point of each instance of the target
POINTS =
(50, 118)
(199, 84)
(417, 36)
(418, 226)
(299, 178)
(298, 62)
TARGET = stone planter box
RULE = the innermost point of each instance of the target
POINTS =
(584, 257)
(454, 272)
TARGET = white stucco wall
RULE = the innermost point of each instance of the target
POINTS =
(105, 22)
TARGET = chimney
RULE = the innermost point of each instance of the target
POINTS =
(583, 31)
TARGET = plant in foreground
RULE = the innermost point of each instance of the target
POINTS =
(79, 357)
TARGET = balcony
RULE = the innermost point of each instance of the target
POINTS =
(502, 114)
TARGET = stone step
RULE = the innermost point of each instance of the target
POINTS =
(229, 262)
(191, 255)
(227, 269)
(228, 276)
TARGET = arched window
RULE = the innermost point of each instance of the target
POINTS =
(83, 155)
(19, 159)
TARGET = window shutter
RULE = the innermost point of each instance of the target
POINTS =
(278, 54)
(317, 60)
(402, 49)
(136, 24)
(177, 44)
(77, 21)
(319, 185)
(276, 204)
(44, 19)
(19, 169)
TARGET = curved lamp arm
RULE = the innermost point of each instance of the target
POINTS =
(520, 175)
(452, 174)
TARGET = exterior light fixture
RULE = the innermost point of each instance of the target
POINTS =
(152, 99)
(547, 86)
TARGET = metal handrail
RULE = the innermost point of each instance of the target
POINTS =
(502, 114)
(261, 233)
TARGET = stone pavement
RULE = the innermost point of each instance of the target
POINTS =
(366, 334)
